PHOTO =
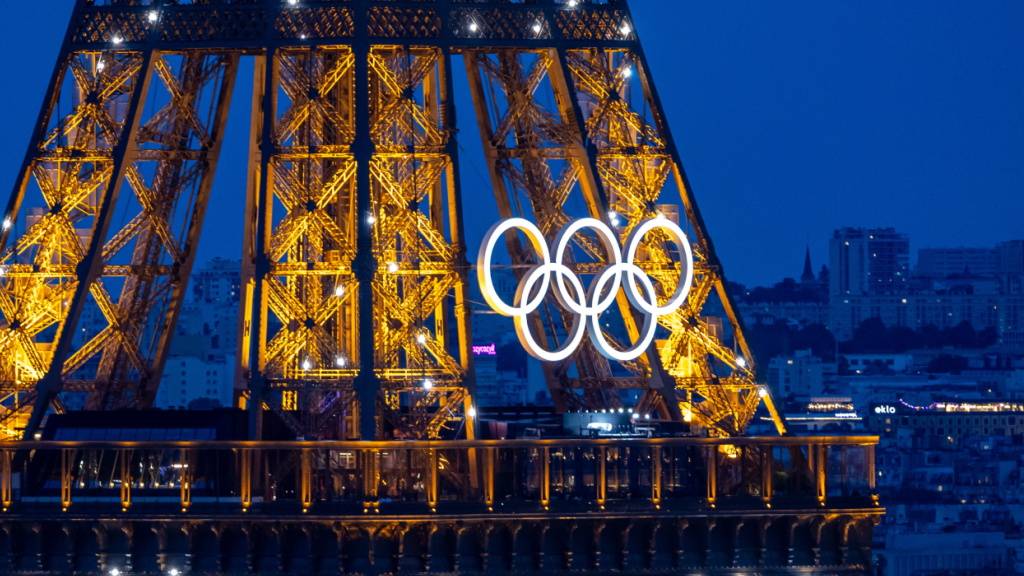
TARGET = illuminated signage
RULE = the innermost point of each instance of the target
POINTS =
(587, 303)
(885, 409)
(829, 406)
(485, 350)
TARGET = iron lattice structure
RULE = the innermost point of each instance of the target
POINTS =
(355, 267)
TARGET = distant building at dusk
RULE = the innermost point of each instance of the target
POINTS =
(865, 261)
(188, 379)
(494, 386)
(938, 263)
(1003, 263)
(801, 303)
(217, 281)
(799, 375)
(201, 362)
(983, 287)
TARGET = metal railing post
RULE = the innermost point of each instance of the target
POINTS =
(67, 457)
(245, 476)
(432, 496)
(656, 476)
(545, 478)
(712, 481)
(306, 479)
(820, 465)
(370, 481)
(186, 480)
(489, 462)
(6, 487)
(125, 457)
(872, 473)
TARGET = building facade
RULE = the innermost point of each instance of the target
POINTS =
(868, 261)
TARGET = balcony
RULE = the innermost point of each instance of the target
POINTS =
(399, 478)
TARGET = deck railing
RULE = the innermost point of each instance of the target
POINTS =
(423, 477)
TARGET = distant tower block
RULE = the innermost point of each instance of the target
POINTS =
(354, 319)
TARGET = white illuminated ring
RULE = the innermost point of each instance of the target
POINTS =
(586, 304)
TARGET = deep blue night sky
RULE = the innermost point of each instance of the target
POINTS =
(793, 117)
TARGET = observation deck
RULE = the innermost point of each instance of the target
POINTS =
(772, 504)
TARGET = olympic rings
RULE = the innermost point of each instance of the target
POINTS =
(586, 304)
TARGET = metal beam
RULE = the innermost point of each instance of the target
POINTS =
(89, 268)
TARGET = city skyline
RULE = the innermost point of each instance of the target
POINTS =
(909, 106)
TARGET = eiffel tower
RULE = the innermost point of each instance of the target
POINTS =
(355, 317)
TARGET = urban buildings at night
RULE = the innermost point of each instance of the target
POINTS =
(928, 355)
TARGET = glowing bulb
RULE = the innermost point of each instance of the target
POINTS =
(762, 392)
(572, 3)
(152, 15)
(471, 412)
(625, 29)
(536, 28)
(627, 71)
(7, 221)
(117, 39)
(307, 365)
(392, 267)
(421, 338)
(634, 415)
(173, 572)
(371, 219)
(741, 361)
(428, 384)
(100, 66)
(473, 26)
(115, 572)
(613, 217)
(621, 410)
(647, 416)
(340, 361)
(339, 291)
(302, 36)
(293, 2)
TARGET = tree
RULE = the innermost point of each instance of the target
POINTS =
(870, 336)
(816, 338)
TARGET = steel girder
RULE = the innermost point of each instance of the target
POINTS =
(354, 260)
(303, 325)
(567, 131)
(104, 221)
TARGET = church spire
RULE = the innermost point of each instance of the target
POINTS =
(808, 275)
